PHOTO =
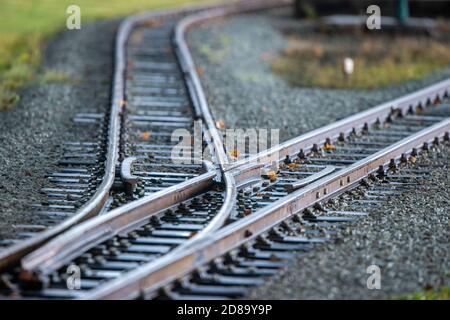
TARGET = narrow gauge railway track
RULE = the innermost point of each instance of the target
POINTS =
(136, 260)
(143, 245)
(232, 274)
(155, 92)
(226, 263)
(91, 168)
(96, 176)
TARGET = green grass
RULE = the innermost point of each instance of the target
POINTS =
(25, 25)
(379, 61)
(442, 293)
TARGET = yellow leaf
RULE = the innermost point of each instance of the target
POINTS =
(220, 124)
(145, 135)
(234, 153)
(200, 70)
(272, 175)
(328, 147)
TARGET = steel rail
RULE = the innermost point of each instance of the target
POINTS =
(50, 251)
(202, 111)
(202, 108)
(419, 98)
(143, 282)
(345, 126)
(188, 65)
(54, 254)
(58, 251)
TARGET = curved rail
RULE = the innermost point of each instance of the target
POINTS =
(13, 254)
(195, 253)
(202, 111)
(198, 95)
(51, 256)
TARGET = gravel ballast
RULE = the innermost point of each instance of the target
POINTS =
(407, 238)
(232, 56)
(31, 135)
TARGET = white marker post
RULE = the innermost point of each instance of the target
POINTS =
(348, 66)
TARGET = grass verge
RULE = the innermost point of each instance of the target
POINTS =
(25, 25)
(378, 60)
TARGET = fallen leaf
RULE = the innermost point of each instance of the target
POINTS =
(272, 175)
(328, 146)
(200, 71)
(145, 135)
(234, 153)
(220, 124)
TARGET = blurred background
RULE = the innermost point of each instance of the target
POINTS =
(25, 25)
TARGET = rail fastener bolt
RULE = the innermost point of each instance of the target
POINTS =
(392, 165)
(403, 159)
(436, 141)
(301, 155)
(380, 172)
